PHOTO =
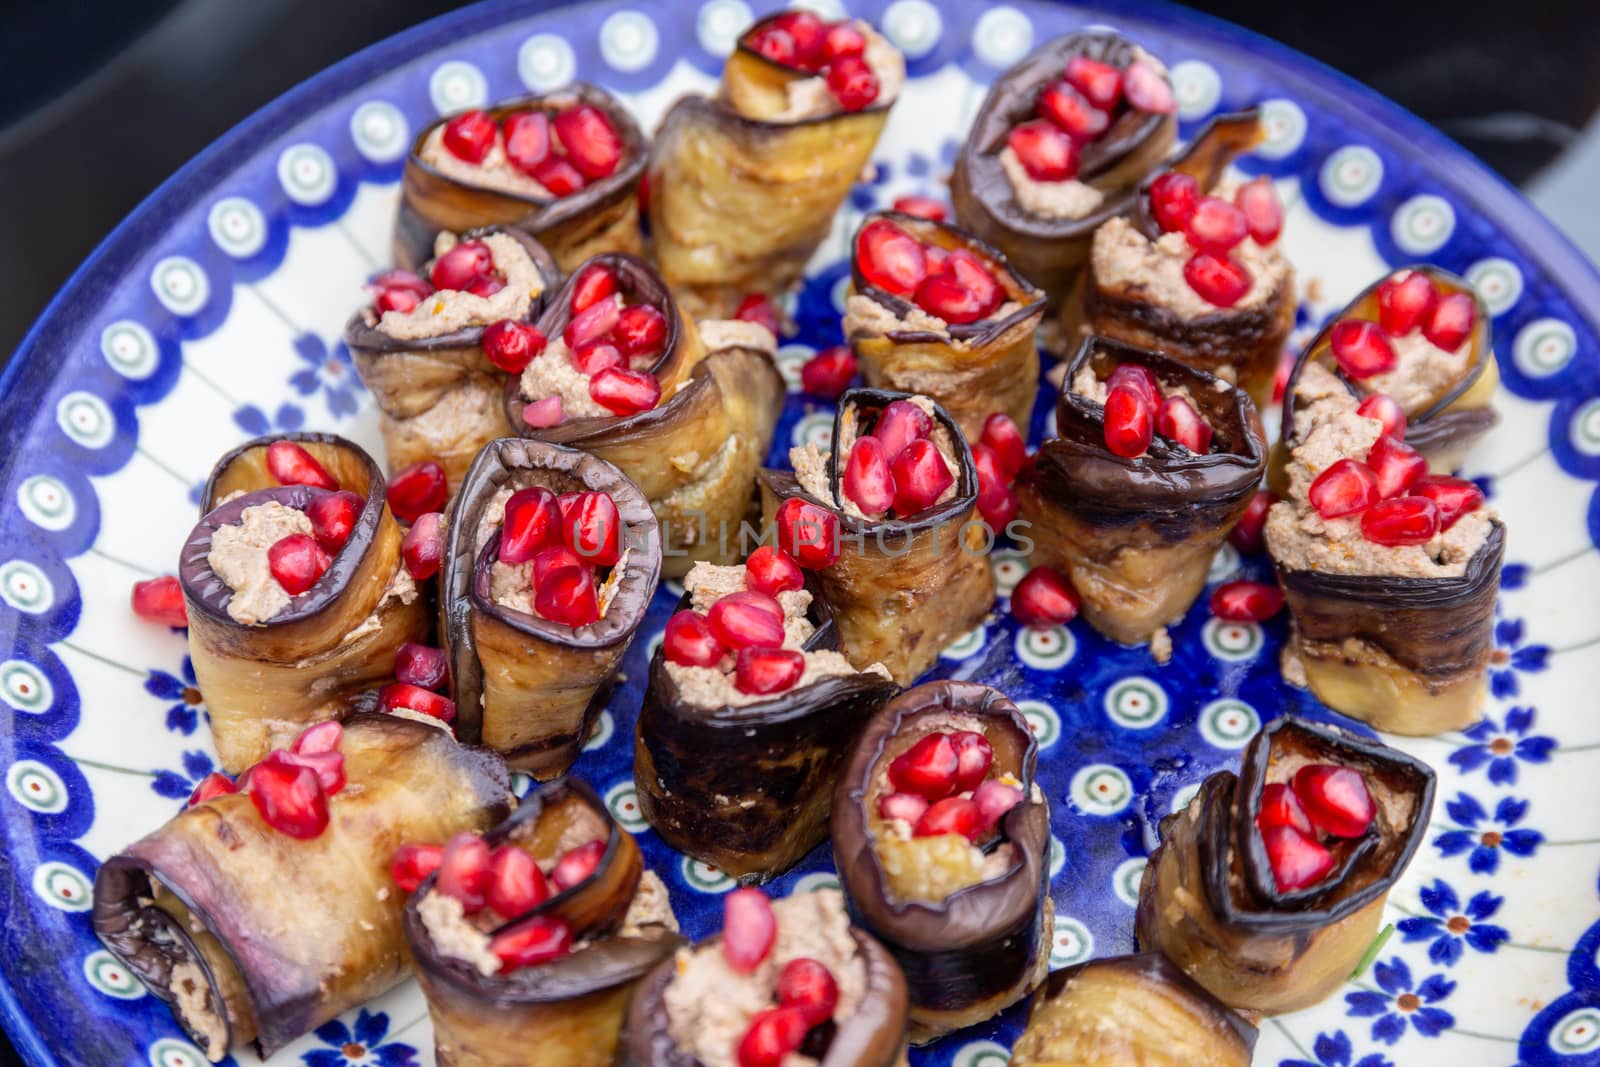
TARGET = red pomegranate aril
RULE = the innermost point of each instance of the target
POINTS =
(290, 799)
(952, 815)
(512, 345)
(1361, 348)
(907, 807)
(420, 665)
(921, 477)
(327, 766)
(593, 323)
(1280, 377)
(542, 414)
(567, 596)
(828, 373)
(1139, 378)
(1335, 799)
(401, 300)
(1345, 488)
(1246, 533)
(527, 135)
(1174, 196)
(1263, 212)
(590, 140)
(1129, 423)
(411, 865)
(464, 870)
(417, 490)
(558, 176)
(973, 273)
(469, 136)
(1454, 497)
(747, 619)
(296, 562)
(415, 698)
(1396, 465)
(852, 82)
(532, 521)
(809, 34)
(928, 768)
(160, 600)
(1280, 807)
(1072, 112)
(625, 392)
(763, 671)
(1045, 151)
(756, 308)
(1146, 89)
(1216, 225)
(773, 1034)
(998, 509)
(809, 987)
(641, 331)
(215, 784)
(974, 754)
(422, 548)
(1246, 601)
(1100, 82)
(808, 533)
(689, 642)
(322, 737)
(333, 516)
(535, 940)
(770, 571)
(462, 265)
(773, 43)
(1177, 420)
(900, 423)
(1000, 432)
(1452, 320)
(1404, 303)
(1297, 860)
(843, 39)
(553, 558)
(592, 528)
(485, 285)
(594, 283)
(1405, 520)
(993, 799)
(923, 207)
(993, 478)
(1044, 598)
(1387, 411)
(292, 465)
(1218, 279)
(748, 929)
(578, 864)
(592, 357)
(889, 258)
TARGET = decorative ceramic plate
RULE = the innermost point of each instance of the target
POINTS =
(213, 314)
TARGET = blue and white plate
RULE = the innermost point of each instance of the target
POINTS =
(214, 314)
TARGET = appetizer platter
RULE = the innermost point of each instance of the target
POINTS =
(716, 535)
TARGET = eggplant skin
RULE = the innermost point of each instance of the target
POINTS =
(312, 927)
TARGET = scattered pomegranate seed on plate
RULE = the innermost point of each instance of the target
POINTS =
(828, 373)
(160, 600)
(1246, 601)
(1043, 598)
(1000, 432)
(417, 490)
(1246, 533)
(756, 308)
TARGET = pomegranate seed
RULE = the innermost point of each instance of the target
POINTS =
(625, 392)
(578, 864)
(412, 864)
(464, 870)
(1220, 280)
(415, 698)
(398, 290)
(1396, 465)
(1452, 319)
(1263, 214)
(974, 754)
(923, 207)
(760, 671)
(641, 332)
(808, 533)
(592, 528)
(900, 423)
(1246, 533)
(1387, 411)
(771, 572)
(296, 562)
(975, 275)
(843, 39)
(993, 799)
(808, 986)
(422, 548)
(689, 642)
(866, 480)
(921, 477)
(907, 807)
(1280, 807)
(1147, 90)
(1129, 423)
(400, 300)
(289, 798)
(532, 521)
(1246, 601)
(1335, 799)
(469, 136)
(542, 414)
(1345, 488)
(323, 737)
(1280, 377)
(558, 176)
(998, 509)
(327, 766)
(889, 258)
(952, 815)
(993, 478)
(567, 596)
(527, 135)
(747, 619)
(1044, 598)
(535, 940)
(417, 490)
(594, 283)
(1174, 196)
(1045, 151)
(772, 1036)
(420, 665)
(943, 297)
(1100, 82)
(485, 286)
(928, 768)
(554, 558)
(755, 307)
(1072, 112)
(292, 465)
(852, 82)
(828, 373)
(1000, 433)
(160, 600)
(1177, 420)
(1405, 520)
(1297, 859)
(592, 357)
(1454, 497)
(593, 323)
(1139, 378)
(332, 517)
(808, 33)
(215, 784)
(462, 265)
(774, 44)
(1361, 348)
(1216, 225)
(511, 345)
(590, 141)
(1404, 303)
(748, 929)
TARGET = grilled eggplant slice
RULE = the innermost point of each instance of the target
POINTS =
(602, 216)
(265, 681)
(253, 935)
(1137, 535)
(1130, 1009)
(525, 686)
(695, 455)
(438, 395)
(972, 369)
(982, 947)
(1209, 899)
(568, 1010)
(1051, 249)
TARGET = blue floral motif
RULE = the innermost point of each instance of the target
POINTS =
(179, 784)
(252, 420)
(1512, 657)
(1501, 747)
(1486, 837)
(184, 714)
(1402, 1001)
(362, 1046)
(329, 371)
(1334, 1050)
(1450, 925)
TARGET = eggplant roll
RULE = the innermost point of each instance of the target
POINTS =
(1130, 1010)
(1046, 239)
(695, 455)
(975, 951)
(253, 935)
(1137, 289)
(1209, 899)
(692, 1009)
(1137, 535)
(566, 1011)
(267, 676)
(902, 588)
(972, 369)
(528, 687)
(744, 185)
(440, 192)
(438, 395)
(1447, 396)
(746, 784)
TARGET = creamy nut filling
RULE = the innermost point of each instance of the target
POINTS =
(1422, 372)
(495, 172)
(810, 463)
(717, 334)
(1129, 265)
(450, 310)
(239, 557)
(1070, 199)
(511, 584)
(865, 316)
(809, 98)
